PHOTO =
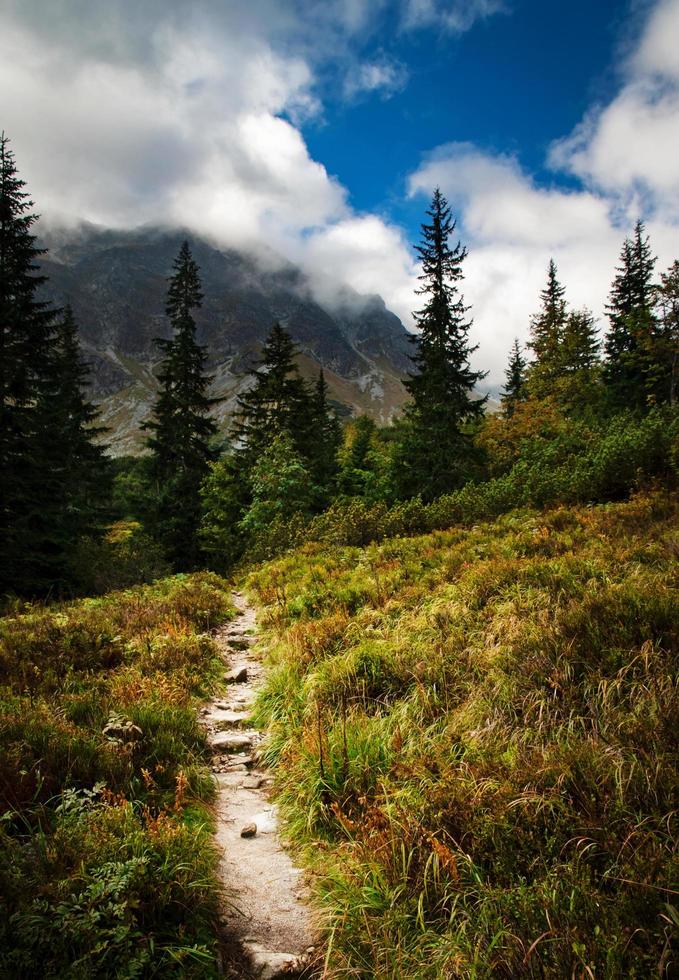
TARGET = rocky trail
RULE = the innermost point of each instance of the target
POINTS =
(267, 921)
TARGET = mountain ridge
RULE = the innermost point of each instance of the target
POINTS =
(116, 282)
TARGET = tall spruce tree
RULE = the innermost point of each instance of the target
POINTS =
(76, 488)
(577, 389)
(326, 438)
(434, 450)
(514, 389)
(277, 403)
(181, 427)
(667, 304)
(631, 355)
(547, 329)
(27, 341)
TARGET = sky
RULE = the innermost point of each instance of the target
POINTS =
(319, 128)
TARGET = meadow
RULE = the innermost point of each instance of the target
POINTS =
(475, 737)
(107, 862)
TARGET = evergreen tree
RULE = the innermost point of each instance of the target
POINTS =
(27, 341)
(326, 438)
(546, 337)
(281, 487)
(631, 368)
(515, 385)
(278, 402)
(667, 304)
(181, 427)
(364, 464)
(577, 388)
(434, 449)
(76, 488)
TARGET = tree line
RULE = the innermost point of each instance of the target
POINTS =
(288, 458)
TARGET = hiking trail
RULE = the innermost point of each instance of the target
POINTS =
(269, 925)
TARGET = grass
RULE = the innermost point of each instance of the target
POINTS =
(107, 866)
(475, 735)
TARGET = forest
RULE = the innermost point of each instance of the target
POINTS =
(471, 620)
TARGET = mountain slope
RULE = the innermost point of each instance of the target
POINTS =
(116, 282)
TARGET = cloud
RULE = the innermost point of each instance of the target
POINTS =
(452, 16)
(123, 114)
(367, 252)
(628, 148)
(384, 76)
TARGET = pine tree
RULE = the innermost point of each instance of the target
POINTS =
(578, 387)
(667, 304)
(546, 336)
(514, 390)
(181, 427)
(76, 486)
(278, 402)
(27, 339)
(326, 438)
(631, 368)
(434, 449)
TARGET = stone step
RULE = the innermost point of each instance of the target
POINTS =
(224, 718)
(231, 742)
(268, 964)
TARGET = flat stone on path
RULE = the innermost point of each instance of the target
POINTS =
(230, 742)
(227, 718)
(268, 965)
(238, 676)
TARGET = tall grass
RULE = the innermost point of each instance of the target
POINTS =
(475, 735)
(107, 866)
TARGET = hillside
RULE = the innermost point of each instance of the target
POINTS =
(117, 283)
(476, 740)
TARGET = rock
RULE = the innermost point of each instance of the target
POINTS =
(122, 730)
(249, 830)
(252, 782)
(237, 676)
(230, 742)
(238, 643)
(266, 821)
(267, 964)
(228, 719)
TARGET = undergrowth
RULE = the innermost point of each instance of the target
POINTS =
(476, 737)
(107, 867)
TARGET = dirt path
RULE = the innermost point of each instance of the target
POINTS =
(266, 918)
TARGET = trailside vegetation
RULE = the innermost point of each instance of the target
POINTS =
(475, 740)
(107, 865)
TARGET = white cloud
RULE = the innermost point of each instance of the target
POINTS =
(453, 16)
(164, 117)
(629, 148)
(370, 254)
(385, 76)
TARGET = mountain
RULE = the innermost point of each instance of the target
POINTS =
(116, 282)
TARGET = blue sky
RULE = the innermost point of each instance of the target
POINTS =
(513, 83)
(316, 130)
